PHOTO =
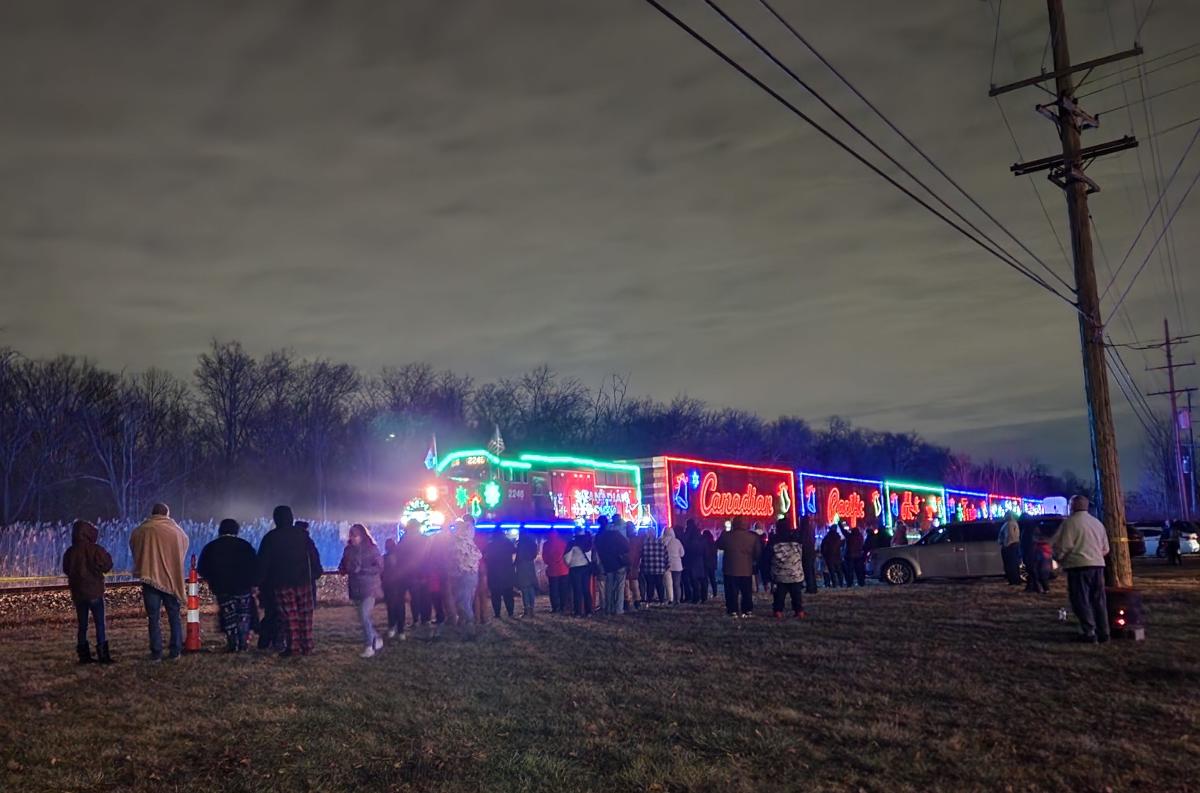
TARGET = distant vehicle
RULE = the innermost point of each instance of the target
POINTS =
(1188, 534)
(955, 550)
(1137, 540)
(1151, 531)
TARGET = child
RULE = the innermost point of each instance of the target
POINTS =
(85, 564)
(1039, 576)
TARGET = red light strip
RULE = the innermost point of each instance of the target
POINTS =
(690, 461)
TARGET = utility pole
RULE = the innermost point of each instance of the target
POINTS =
(1191, 471)
(1176, 445)
(1067, 171)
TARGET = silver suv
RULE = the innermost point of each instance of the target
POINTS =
(956, 550)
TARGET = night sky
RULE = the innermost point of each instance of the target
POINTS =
(492, 185)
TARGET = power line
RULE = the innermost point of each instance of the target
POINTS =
(1188, 84)
(1138, 34)
(1130, 68)
(1144, 61)
(1033, 183)
(658, 6)
(891, 125)
(1174, 127)
(1170, 220)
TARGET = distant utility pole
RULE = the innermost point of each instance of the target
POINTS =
(1185, 493)
(1067, 171)
(1191, 468)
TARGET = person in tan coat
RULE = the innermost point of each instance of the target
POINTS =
(742, 549)
(159, 547)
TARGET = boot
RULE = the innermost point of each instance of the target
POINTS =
(102, 653)
(85, 653)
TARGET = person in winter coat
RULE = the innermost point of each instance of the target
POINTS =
(1080, 545)
(675, 551)
(557, 573)
(710, 559)
(464, 571)
(787, 569)
(612, 551)
(527, 583)
(1009, 540)
(578, 559)
(159, 547)
(501, 575)
(633, 575)
(411, 575)
(855, 566)
(363, 567)
(1042, 564)
(288, 564)
(393, 587)
(742, 549)
(654, 567)
(84, 564)
(831, 555)
(230, 567)
(693, 563)
(808, 544)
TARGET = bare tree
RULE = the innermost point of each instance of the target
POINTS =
(324, 400)
(231, 391)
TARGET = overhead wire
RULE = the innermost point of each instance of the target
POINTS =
(886, 120)
(1144, 99)
(1096, 90)
(1002, 255)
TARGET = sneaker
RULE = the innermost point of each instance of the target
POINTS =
(801, 615)
(378, 644)
(391, 633)
(734, 615)
(174, 656)
(747, 615)
(368, 652)
(402, 636)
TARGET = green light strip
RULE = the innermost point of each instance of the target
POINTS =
(493, 459)
(913, 486)
(550, 459)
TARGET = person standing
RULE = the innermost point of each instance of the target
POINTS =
(578, 559)
(363, 567)
(831, 555)
(84, 564)
(787, 569)
(435, 572)
(465, 571)
(501, 575)
(710, 560)
(633, 577)
(230, 567)
(393, 588)
(557, 573)
(1010, 548)
(1080, 545)
(1040, 564)
(159, 547)
(856, 562)
(527, 583)
(675, 553)
(612, 548)
(288, 564)
(808, 546)
(742, 550)
(654, 567)
(693, 563)
(411, 574)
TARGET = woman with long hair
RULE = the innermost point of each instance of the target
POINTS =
(363, 567)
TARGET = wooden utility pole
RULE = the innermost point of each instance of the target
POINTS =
(1176, 445)
(1067, 171)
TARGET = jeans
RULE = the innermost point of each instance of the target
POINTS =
(560, 592)
(654, 588)
(833, 574)
(1085, 587)
(742, 585)
(581, 590)
(528, 597)
(465, 585)
(614, 591)
(677, 586)
(507, 596)
(782, 591)
(155, 600)
(96, 609)
(365, 607)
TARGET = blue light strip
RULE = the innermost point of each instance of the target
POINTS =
(835, 478)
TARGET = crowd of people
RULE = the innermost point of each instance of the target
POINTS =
(456, 576)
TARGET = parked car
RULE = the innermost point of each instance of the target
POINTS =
(1137, 540)
(955, 550)
(1152, 531)
(1188, 534)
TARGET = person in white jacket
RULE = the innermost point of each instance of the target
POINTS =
(673, 578)
(1080, 545)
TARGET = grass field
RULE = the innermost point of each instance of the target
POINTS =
(936, 686)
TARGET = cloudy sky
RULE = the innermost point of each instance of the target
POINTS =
(489, 185)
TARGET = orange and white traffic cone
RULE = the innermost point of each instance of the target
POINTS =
(191, 641)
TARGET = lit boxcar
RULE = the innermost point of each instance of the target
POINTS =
(713, 494)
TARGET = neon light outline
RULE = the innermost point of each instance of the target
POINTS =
(788, 472)
(493, 459)
(937, 490)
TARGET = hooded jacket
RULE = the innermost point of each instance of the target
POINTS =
(229, 565)
(694, 549)
(831, 546)
(363, 567)
(787, 557)
(675, 551)
(854, 544)
(159, 547)
(287, 557)
(85, 563)
(613, 549)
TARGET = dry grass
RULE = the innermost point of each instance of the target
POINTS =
(936, 686)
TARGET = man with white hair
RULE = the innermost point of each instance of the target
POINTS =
(1080, 545)
(159, 547)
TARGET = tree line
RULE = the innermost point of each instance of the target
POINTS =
(245, 433)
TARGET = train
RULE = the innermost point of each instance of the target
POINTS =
(550, 492)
